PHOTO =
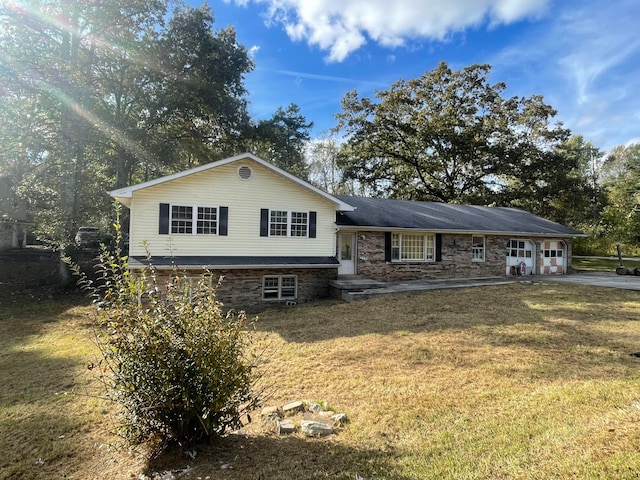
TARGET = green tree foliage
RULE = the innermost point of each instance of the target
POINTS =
(200, 110)
(559, 184)
(621, 179)
(50, 51)
(179, 368)
(450, 136)
(97, 95)
(282, 140)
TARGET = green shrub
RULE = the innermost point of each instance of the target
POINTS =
(180, 369)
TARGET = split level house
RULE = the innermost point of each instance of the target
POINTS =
(277, 238)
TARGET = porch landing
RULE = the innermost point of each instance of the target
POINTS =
(352, 288)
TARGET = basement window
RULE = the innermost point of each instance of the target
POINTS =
(279, 287)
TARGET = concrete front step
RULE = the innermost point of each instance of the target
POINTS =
(379, 289)
(354, 283)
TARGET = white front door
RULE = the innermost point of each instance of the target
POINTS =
(346, 254)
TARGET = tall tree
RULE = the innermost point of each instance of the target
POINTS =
(199, 107)
(104, 94)
(282, 139)
(621, 179)
(558, 183)
(324, 172)
(447, 136)
(322, 157)
(50, 54)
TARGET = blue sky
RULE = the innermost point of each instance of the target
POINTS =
(583, 56)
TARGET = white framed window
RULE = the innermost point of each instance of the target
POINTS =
(283, 223)
(299, 224)
(279, 287)
(412, 247)
(278, 223)
(193, 220)
(477, 248)
(519, 249)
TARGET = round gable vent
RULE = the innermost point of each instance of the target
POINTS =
(244, 172)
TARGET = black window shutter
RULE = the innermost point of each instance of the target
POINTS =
(163, 223)
(438, 247)
(312, 224)
(387, 246)
(223, 221)
(264, 222)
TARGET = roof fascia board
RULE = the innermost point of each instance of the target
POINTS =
(352, 228)
(138, 266)
(127, 192)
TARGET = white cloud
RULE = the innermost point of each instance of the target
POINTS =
(342, 27)
(253, 51)
(586, 62)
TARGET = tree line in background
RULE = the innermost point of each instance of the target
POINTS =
(99, 95)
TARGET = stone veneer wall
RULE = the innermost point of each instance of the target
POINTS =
(242, 289)
(456, 259)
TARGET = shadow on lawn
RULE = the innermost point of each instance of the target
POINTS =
(279, 458)
(25, 313)
(460, 309)
(562, 323)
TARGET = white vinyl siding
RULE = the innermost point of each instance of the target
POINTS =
(244, 199)
(412, 247)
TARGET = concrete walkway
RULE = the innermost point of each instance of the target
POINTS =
(352, 289)
(598, 279)
(356, 288)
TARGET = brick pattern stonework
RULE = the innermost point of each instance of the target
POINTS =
(242, 289)
(456, 259)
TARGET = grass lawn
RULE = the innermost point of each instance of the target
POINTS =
(523, 381)
(601, 264)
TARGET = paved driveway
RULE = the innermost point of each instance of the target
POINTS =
(599, 279)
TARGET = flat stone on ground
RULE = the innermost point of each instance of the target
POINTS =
(266, 411)
(293, 407)
(286, 427)
(315, 429)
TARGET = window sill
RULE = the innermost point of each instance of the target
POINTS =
(410, 262)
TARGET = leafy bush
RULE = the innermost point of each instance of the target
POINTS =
(177, 365)
(602, 241)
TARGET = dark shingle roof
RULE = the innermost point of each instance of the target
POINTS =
(444, 217)
(232, 262)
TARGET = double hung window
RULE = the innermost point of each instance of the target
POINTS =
(187, 219)
(279, 287)
(283, 223)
